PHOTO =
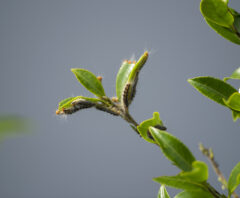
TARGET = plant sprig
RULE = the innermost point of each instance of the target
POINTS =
(193, 175)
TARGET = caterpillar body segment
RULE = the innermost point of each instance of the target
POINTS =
(112, 111)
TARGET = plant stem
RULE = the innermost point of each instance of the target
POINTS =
(209, 154)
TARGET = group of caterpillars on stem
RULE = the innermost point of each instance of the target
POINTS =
(117, 106)
(127, 96)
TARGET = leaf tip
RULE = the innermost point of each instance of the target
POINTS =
(190, 80)
(73, 70)
(146, 53)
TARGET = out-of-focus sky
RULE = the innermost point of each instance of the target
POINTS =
(93, 154)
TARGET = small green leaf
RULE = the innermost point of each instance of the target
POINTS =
(122, 77)
(143, 128)
(233, 102)
(173, 149)
(194, 194)
(179, 182)
(66, 103)
(227, 33)
(129, 90)
(72, 104)
(163, 192)
(235, 115)
(89, 81)
(217, 12)
(213, 88)
(235, 75)
(234, 179)
(11, 126)
(138, 66)
(199, 172)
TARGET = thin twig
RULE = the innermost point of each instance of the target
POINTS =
(209, 154)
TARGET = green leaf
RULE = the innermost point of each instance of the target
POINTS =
(163, 192)
(213, 88)
(217, 12)
(199, 172)
(235, 75)
(11, 126)
(179, 182)
(138, 66)
(89, 81)
(67, 103)
(66, 106)
(233, 102)
(122, 77)
(234, 179)
(173, 149)
(128, 74)
(129, 90)
(194, 194)
(227, 33)
(143, 128)
(235, 115)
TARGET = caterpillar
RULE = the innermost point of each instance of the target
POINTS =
(76, 106)
(125, 98)
(105, 109)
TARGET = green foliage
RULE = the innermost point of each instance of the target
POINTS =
(67, 103)
(138, 66)
(89, 81)
(235, 75)
(194, 174)
(180, 183)
(199, 172)
(235, 115)
(163, 192)
(73, 104)
(143, 128)
(227, 33)
(129, 90)
(194, 194)
(234, 179)
(212, 88)
(11, 126)
(128, 76)
(233, 102)
(173, 149)
(224, 20)
(219, 91)
(122, 77)
(217, 12)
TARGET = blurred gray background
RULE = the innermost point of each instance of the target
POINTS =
(92, 154)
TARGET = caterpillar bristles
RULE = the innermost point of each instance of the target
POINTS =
(125, 95)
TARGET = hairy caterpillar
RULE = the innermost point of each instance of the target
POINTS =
(105, 109)
(76, 106)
